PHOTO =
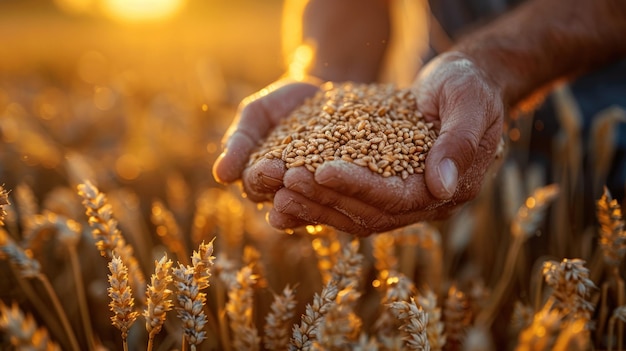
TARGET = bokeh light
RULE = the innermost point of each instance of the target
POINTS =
(141, 10)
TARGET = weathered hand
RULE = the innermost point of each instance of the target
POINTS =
(256, 117)
(466, 107)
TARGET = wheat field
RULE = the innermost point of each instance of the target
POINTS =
(114, 236)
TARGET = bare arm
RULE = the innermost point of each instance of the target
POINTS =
(348, 38)
(527, 50)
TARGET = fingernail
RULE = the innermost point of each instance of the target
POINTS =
(271, 182)
(448, 174)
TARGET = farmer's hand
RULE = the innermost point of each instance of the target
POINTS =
(256, 117)
(464, 104)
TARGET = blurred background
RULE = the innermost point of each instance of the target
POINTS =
(142, 86)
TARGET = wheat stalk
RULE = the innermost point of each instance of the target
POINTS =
(68, 232)
(28, 267)
(240, 310)
(541, 334)
(619, 314)
(348, 268)
(414, 321)
(574, 336)
(158, 302)
(277, 322)
(22, 330)
(122, 301)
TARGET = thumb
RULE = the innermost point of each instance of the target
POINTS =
(455, 96)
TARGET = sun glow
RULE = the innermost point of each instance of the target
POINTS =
(141, 10)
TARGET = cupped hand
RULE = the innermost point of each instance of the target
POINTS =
(468, 110)
(256, 117)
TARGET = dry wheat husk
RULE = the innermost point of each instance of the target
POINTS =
(374, 126)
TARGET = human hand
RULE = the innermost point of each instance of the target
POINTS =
(256, 116)
(466, 107)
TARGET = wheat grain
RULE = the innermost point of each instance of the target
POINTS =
(22, 330)
(277, 322)
(240, 310)
(158, 302)
(374, 126)
(122, 301)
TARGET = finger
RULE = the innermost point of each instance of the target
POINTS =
(263, 178)
(284, 221)
(294, 204)
(394, 194)
(257, 115)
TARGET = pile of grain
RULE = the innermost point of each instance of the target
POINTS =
(371, 125)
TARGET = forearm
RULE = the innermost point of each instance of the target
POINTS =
(543, 41)
(347, 39)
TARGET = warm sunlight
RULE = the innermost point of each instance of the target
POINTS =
(141, 10)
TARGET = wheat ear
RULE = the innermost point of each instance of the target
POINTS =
(277, 322)
(524, 224)
(326, 246)
(414, 321)
(22, 330)
(4, 201)
(571, 287)
(122, 301)
(240, 310)
(28, 267)
(191, 303)
(158, 302)
(109, 239)
(341, 326)
(434, 329)
(304, 334)
(612, 235)
(169, 231)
